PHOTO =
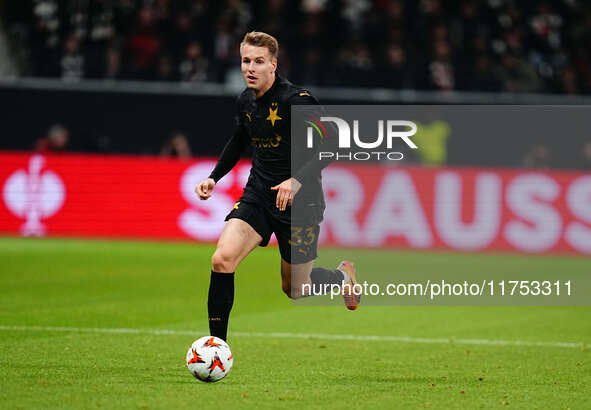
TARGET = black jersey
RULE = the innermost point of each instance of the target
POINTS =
(265, 123)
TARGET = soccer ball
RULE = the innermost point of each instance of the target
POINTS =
(209, 359)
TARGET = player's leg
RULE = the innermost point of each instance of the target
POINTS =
(295, 279)
(298, 247)
(344, 276)
(301, 280)
(237, 240)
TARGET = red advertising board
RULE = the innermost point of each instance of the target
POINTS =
(367, 205)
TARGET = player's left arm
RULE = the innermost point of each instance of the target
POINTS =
(290, 187)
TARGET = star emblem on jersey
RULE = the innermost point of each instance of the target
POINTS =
(273, 114)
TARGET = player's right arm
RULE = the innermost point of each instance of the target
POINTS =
(229, 157)
(205, 188)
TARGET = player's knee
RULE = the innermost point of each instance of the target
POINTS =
(292, 292)
(222, 261)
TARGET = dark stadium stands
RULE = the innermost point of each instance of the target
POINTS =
(471, 45)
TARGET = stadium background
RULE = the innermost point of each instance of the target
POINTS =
(129, 74)
(113, 109)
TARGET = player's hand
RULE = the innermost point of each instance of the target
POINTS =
(285, 192)
(205, 188)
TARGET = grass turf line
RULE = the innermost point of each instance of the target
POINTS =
(158, 285)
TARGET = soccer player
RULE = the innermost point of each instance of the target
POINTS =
(263, 121)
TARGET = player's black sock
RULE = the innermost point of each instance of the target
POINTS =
(322, 279)
(219, 303)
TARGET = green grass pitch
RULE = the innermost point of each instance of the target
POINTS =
(62, 301)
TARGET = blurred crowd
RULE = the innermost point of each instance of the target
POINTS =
(474, 45)
(57, 140)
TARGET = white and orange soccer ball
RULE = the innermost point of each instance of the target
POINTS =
(209, 359)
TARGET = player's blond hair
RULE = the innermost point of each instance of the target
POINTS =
(260, 39)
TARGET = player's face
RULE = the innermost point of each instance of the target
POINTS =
(258, 67)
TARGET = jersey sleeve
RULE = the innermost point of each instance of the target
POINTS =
(303, 97)
(231, 153)
(311, 166)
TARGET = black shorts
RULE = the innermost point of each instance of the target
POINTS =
(297, 244)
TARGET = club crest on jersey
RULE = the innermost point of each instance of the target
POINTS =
(273, 116)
